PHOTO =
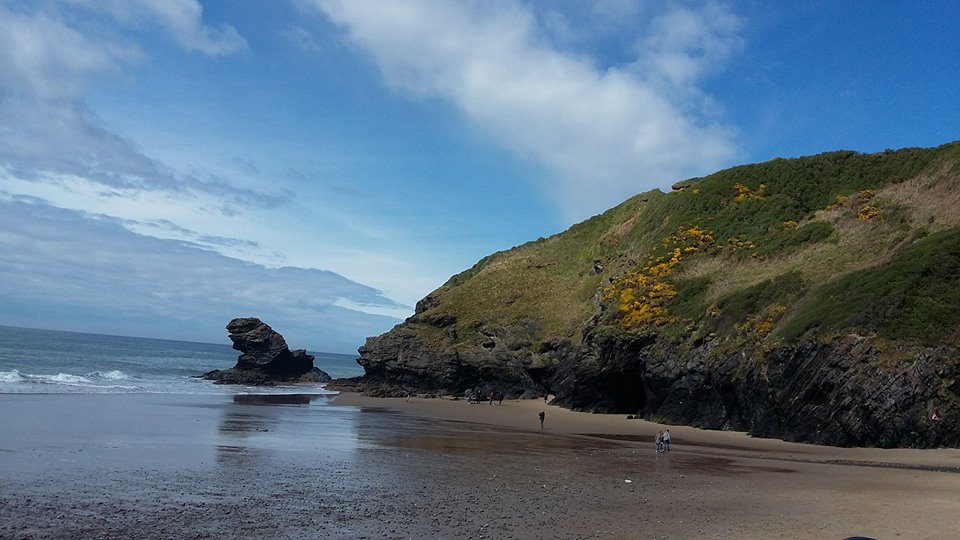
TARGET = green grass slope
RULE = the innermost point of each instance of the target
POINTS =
(766, 253)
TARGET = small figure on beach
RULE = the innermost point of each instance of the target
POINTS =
(658, 442)
(666, 440)
(542, 415)
(500, 396)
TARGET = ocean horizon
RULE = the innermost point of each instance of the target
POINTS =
(57, 361)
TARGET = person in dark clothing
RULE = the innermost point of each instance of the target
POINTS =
(542, 415)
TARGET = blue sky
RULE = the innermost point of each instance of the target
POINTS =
(167, 165)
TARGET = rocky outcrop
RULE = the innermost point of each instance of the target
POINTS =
(400, 362)
(837, 393)
(840, 392)
(266, 359)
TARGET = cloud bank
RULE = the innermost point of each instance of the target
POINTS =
(605, 130)
(51, 54)
(64, 268)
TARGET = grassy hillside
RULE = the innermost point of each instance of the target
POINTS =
(790, 248)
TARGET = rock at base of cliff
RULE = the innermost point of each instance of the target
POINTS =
(255, 377)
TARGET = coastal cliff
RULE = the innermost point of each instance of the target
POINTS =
(810, 299)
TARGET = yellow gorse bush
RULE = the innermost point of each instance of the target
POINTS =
(735, 244)
(642, 295)
(840, 200)
(762, 324)
(868, 212)
(744, 193)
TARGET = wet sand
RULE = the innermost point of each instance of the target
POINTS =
(522, 415)
(155, 466)
(712, 484)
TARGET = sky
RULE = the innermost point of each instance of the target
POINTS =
(168, 165)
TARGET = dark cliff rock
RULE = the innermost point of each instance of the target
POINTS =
(830, 392)
(266, 359)
(837, 393)
(399, 362)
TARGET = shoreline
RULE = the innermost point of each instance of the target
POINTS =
(160, 466)
(522, 415)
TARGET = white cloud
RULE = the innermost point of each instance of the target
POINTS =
(606, 133)
(181, 19)
(685, 44)
(55, 149)
(49, 50)
(301, 38)
(184, 20)
(42, 56)
(261, 236)
(49, 58)
(396, 312)
(61, 263)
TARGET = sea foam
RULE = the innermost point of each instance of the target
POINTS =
(115, 375)
(10, 377)
(61, 378)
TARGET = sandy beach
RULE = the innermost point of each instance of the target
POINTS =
(522, 415)
(172, 466)
(711, 484)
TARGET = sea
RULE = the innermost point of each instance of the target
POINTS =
(34, 361)
(115, 437)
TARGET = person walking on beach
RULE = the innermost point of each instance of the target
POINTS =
(658, 442)
(542, 414)
(666, 440)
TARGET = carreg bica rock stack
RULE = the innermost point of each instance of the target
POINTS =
(266, 359)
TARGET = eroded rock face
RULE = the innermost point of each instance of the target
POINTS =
(399, 362)
(266, 359)
(838, 392)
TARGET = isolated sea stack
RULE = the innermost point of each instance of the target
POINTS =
(266, 359)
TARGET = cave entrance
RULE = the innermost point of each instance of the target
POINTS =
(628, 395)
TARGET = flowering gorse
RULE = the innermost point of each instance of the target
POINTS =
(642, 295)
(744, 193)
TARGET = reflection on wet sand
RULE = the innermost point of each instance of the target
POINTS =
(451, 439)
(378, 430)
(243, 420)
(718, 466)
(277, 399)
